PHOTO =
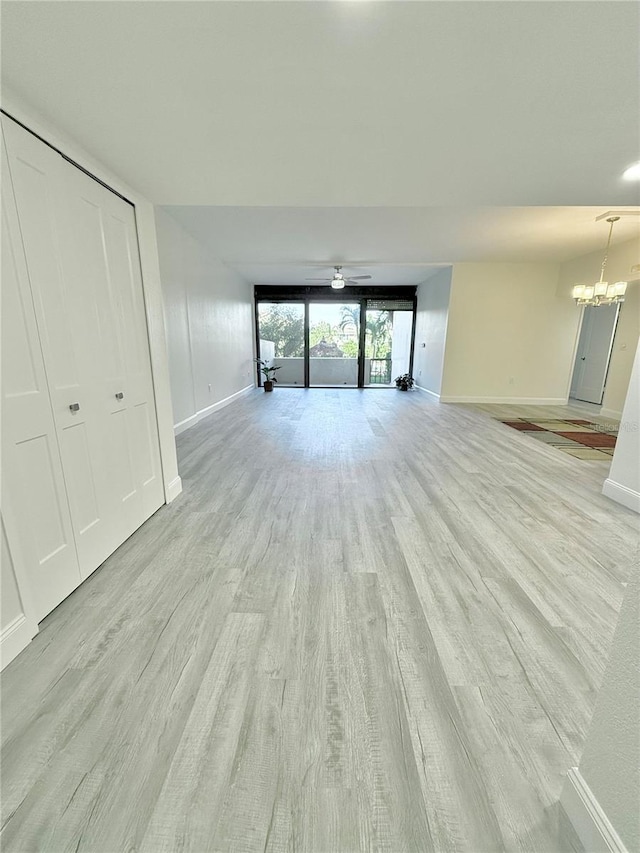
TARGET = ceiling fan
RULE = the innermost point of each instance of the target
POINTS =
(338, 280)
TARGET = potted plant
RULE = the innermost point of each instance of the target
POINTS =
(269, 373)
(404, 382)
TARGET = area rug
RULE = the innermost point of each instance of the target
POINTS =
(579, 438)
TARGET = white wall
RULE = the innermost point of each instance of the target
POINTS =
(209, 317)
(610, 764)
(586, 269)
(623, 483)
(511, 335)
(431, 330)
(401, 343)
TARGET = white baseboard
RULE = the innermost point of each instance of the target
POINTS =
(611, 413)
(14, 638)
(622, 494)
(587, 817)
(173, 489)
(192, 420)
(427, 391)
(522, 401)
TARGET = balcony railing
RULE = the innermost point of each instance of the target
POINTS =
(380, 371)
(333, 371)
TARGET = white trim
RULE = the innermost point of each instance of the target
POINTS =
(20, 631)
(525, 401)
(14, 638)
(192, 420)
(610, 413)
(173, 489)
(427, 391)
(587, 816)
(622, 494)
(574, 356)
(149, 264)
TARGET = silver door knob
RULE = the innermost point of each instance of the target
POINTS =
(119, 395)
(75, 407)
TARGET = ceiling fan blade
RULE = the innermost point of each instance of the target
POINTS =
(357, 277)
(318, 279)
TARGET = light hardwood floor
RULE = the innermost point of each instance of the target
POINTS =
(370, 623)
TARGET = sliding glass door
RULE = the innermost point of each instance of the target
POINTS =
(281, 340)
(316, 337)
(334, 334)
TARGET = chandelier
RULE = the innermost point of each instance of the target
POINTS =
(601, 293)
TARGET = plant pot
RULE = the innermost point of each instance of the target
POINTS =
(403, 387)
(268, 385)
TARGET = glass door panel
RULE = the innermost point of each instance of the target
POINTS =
(281, 332)
(377, 348)
(334, 330)
(387, 346)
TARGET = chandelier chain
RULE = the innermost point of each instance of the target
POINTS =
(612, 220)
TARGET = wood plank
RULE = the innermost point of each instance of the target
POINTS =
(370, 622)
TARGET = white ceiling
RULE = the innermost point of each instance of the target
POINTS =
(391, 137)
(395, 245)
(340, 103)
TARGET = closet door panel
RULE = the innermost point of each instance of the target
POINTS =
(109, 252)
(144, 440)
(34, 458)
(38, 210)
(76, 450)
(68, 325)
(33, 481)
(124, 263)
(88, 265)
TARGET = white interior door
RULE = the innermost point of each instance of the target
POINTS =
(123, 259)
(104, 262)
(67, 324)
(33, 479)
(594, 353)
(82, 255)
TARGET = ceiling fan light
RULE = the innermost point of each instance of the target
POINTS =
(337, 283)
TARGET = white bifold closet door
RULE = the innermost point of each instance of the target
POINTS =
(83, 265)
(32, 478)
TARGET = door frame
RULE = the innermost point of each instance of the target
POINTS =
(298, 294)
(609, 353)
